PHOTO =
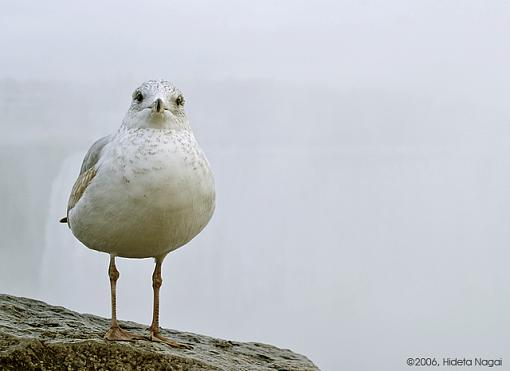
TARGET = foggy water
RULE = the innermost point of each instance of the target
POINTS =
(361, 154)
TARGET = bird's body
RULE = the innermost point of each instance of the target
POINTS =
(153, 191)
(144, 191)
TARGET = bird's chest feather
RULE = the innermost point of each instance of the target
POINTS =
(161, 169)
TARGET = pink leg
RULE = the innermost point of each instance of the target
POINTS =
(115, 332)
(157, 281)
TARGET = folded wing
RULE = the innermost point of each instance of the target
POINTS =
(87, 173)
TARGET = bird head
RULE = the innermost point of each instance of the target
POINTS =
(156, 104)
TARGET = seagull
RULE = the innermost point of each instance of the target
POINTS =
(143, 191)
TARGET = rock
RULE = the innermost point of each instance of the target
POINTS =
(38, 336)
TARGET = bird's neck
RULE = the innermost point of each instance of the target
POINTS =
(165, 125)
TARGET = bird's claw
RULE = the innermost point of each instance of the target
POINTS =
(118, 334)
(172, 343)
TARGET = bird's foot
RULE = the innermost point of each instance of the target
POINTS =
(117, 334)
(157, 337)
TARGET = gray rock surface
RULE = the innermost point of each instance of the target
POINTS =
(38, 336)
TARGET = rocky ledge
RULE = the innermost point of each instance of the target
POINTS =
(38, 336)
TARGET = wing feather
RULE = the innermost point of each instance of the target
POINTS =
(94, 153)
(87, 173)
(80, 186)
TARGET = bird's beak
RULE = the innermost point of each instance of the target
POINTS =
(158, 106)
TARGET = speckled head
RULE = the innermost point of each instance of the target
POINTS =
(156, 104)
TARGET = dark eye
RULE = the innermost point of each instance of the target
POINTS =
(138, 96)
(179, 100)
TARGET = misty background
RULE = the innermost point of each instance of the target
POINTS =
(361, 154)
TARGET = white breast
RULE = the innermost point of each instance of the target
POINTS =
(153, 192)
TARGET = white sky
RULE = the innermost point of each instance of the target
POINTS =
(338, 42)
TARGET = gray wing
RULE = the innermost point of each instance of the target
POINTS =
(94, 153)
(87, 173)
